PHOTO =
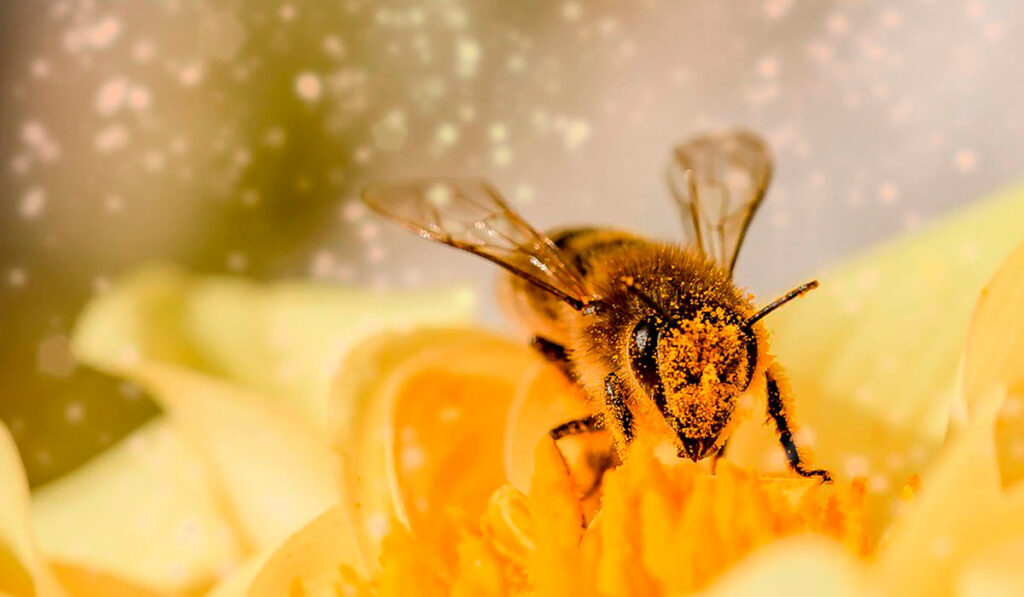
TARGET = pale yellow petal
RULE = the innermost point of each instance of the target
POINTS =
(317, 560)
(143, 511)
(872, 354)
(994, 356)
(273, 469)
(994, 572)
(960, 511)
(283, 339)
(237, 581)
(23, 571)
(798, 567)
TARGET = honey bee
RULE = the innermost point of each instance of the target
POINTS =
(657, 335)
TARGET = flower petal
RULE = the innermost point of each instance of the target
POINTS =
(283, 340)
(959, 513)
(143, 511)
(22, 569)
(275, 471)
(411, 414)
(794, 568)
(544, 398)
(994, 356)
(318, 560)
(872, 355)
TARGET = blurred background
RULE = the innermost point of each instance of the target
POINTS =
(234, 136)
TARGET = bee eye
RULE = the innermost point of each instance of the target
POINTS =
(644, 337)
(644, 350)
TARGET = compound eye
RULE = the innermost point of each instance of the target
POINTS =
(644, 351)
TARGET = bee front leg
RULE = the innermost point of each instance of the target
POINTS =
(554, 353)
(777, 411)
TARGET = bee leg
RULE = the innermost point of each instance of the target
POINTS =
(777, 411)
(617, 406)
(587, 424)
(555, 353)
(719, 454)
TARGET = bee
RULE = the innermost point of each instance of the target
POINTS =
(656, 334)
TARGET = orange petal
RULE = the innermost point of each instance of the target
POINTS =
(417, 419)
(545, 398)
(83, 582)
(557, 526)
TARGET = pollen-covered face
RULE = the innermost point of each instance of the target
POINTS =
(702, 364)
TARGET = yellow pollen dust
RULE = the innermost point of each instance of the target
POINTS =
(702, 364)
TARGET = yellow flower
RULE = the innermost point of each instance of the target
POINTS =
(423, 467)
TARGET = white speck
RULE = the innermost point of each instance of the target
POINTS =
(287, 12)
(501, 156)
(111, 96)
(576, 133)
(17, 277)
(377, 525)
(237, 261)
(389, 132)
(497, 132)
(891, 18)
(467, 57)
(439, 195)
(968, 252)
(32, 203)
(113, 203)
(966, 160)
(143, 51)
(775, 9)
(447, 134)
(888, 193)
(104, 32)
(138, 98)
(413, 458)
(768, 67)
(154, 161)
(572, 11)
(368, 231)
(856, 466)
(191, 74)
(274, 137)
(353, 211)
(375, 254)
(942, 547)
(40, 68)
(524, 194)
(74, 413)
(334, 46)
(308, 86)
(975, 10)
(322, 264)
(449, 414)
(54, 357)
(837, 24)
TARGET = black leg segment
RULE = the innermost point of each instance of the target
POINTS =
(777, 411)
(587, 424)
(555, 353)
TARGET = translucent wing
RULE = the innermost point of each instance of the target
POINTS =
(718, 182)
(469, 214)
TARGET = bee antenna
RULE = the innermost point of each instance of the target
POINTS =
(646, 299)
(782, 300)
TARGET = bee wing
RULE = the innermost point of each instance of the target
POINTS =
(469, 214)
(718, 181)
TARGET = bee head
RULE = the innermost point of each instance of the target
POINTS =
(694, 368)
